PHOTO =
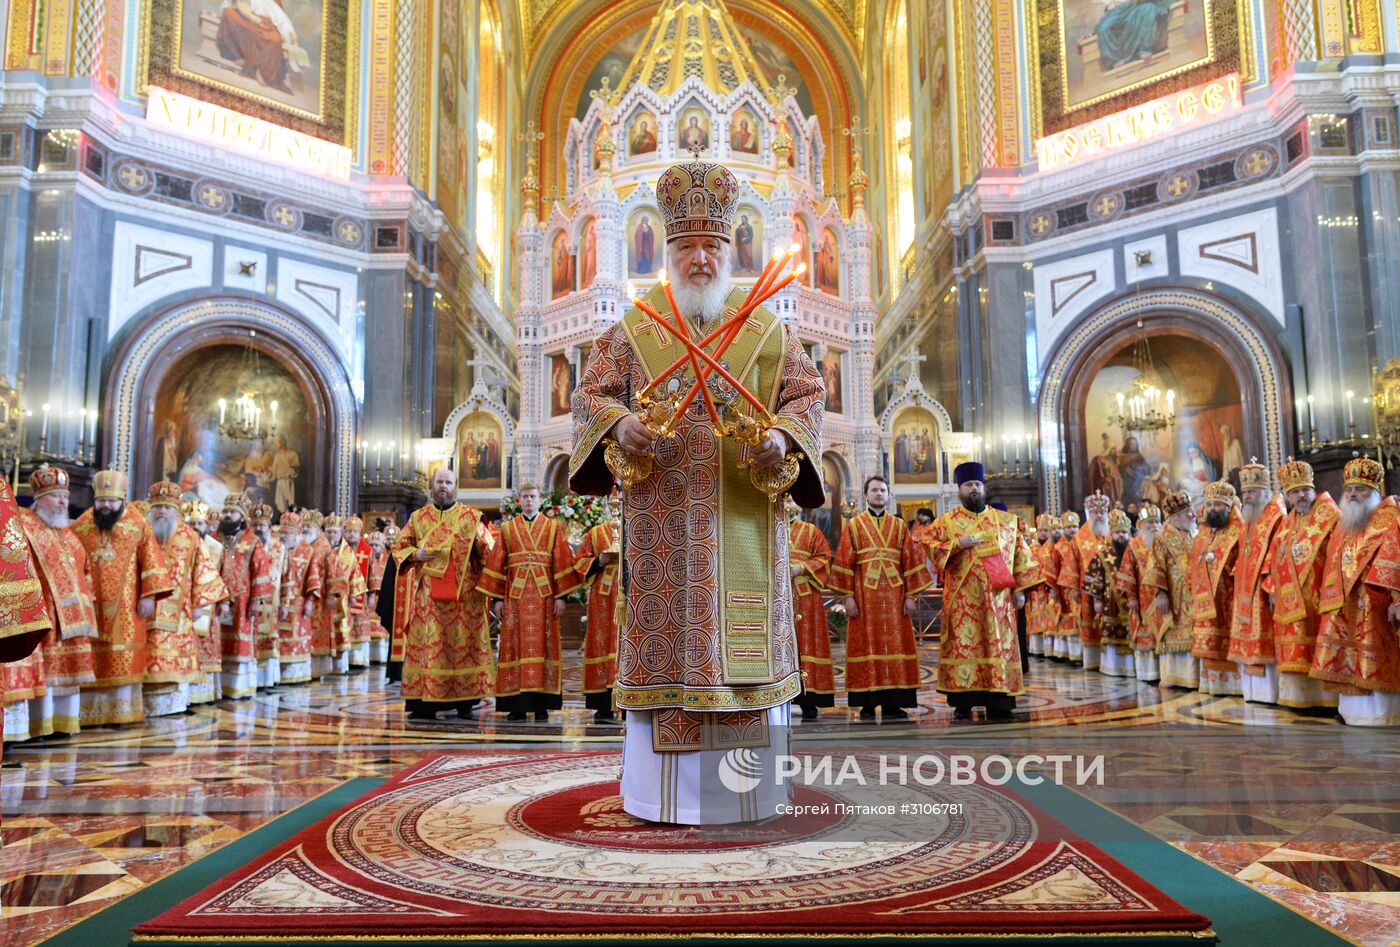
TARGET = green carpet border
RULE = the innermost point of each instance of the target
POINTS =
(1237, 911)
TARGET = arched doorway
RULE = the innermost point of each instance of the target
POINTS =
(164, 381)
(1231, 388)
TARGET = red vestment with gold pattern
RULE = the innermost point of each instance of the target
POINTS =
(1295, 580)
(1357, 648)
(979, 651)
(447, 649)
(529, 568)
(247, 578)
(1132, 578)
(1043, 605)
(127, 565)
(172, 646)
(600, 640)
(879, 566)
(1252, 628)
(301, 583)
(809, 550)
(23, 620)
(1211, 573)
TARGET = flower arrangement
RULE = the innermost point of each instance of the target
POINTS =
(574, 510)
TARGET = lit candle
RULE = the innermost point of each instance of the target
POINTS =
(274, 416)
(1004, 439)
(82, 433)
(223, 409)
(44, 429)
(391, 460)
(92, 441)
(378, 452)
(1119, 396)
(1350, 420)
(1311, 425)
(1020, 446)
(1171, 401)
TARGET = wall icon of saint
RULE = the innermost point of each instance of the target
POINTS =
(561, 267)
(641, 137)
(743, 133)
(694, 130)
(641, 244)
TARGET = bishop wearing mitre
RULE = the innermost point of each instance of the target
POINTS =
(707, 655)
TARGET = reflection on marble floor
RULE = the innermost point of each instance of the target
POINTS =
(1302, 808)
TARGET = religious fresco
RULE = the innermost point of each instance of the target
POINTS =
(744, 132)
(775, 61)
(641, 134)
(295, 58)
(693, 129)
(264, 49)
(561, 266)
(479, 460)
(826, 266)
(1095, 52)
(451, 138)
(915, 447)
(804, 247)
(644, 243)
(613, 66)
(560, 384)
(209, 460)
(1205, 445)
(831, 367)
(588, 254)
(827, 517)
(930, 18)
(749, 257)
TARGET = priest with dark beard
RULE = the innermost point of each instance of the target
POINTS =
(987, 566)
(128, 578)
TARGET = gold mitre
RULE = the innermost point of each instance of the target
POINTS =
(1254, 476)
(354, 524)
(313, 518)
(1221, 491)
(289, 520)
(261, 513)
(1044, 521)
(1295, 474)
(238, 502)
(1150, 514)
(334, 521)
(1118, 522)
(165, 493)
(1069, 520)
(698, 198)
(194, 511)
(1098, 503)
(1176, 502)
(45, 480)
(1364, 472)
(109, 485)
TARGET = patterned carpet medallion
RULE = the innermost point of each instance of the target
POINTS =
(519, 845)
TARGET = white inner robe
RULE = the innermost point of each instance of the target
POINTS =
(685, 787)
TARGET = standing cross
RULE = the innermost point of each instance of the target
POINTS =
(913, 358)
(477, 363)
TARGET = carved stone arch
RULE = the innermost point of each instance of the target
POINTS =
(914, 396)
(1238, 334)
(479, 400)
(153, 342)
(556, 474)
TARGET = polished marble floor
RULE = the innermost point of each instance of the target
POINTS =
(1303, 808)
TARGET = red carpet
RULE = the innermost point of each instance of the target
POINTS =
(480, 846)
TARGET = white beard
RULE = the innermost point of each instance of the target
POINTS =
(1251, 511)
(58, 520)
(703, 303)
(1357, 513)
(1148, 535)
(1099, 527)
(163, 530)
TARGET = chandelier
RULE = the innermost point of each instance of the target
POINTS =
(241, 415)
(1144, 406)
